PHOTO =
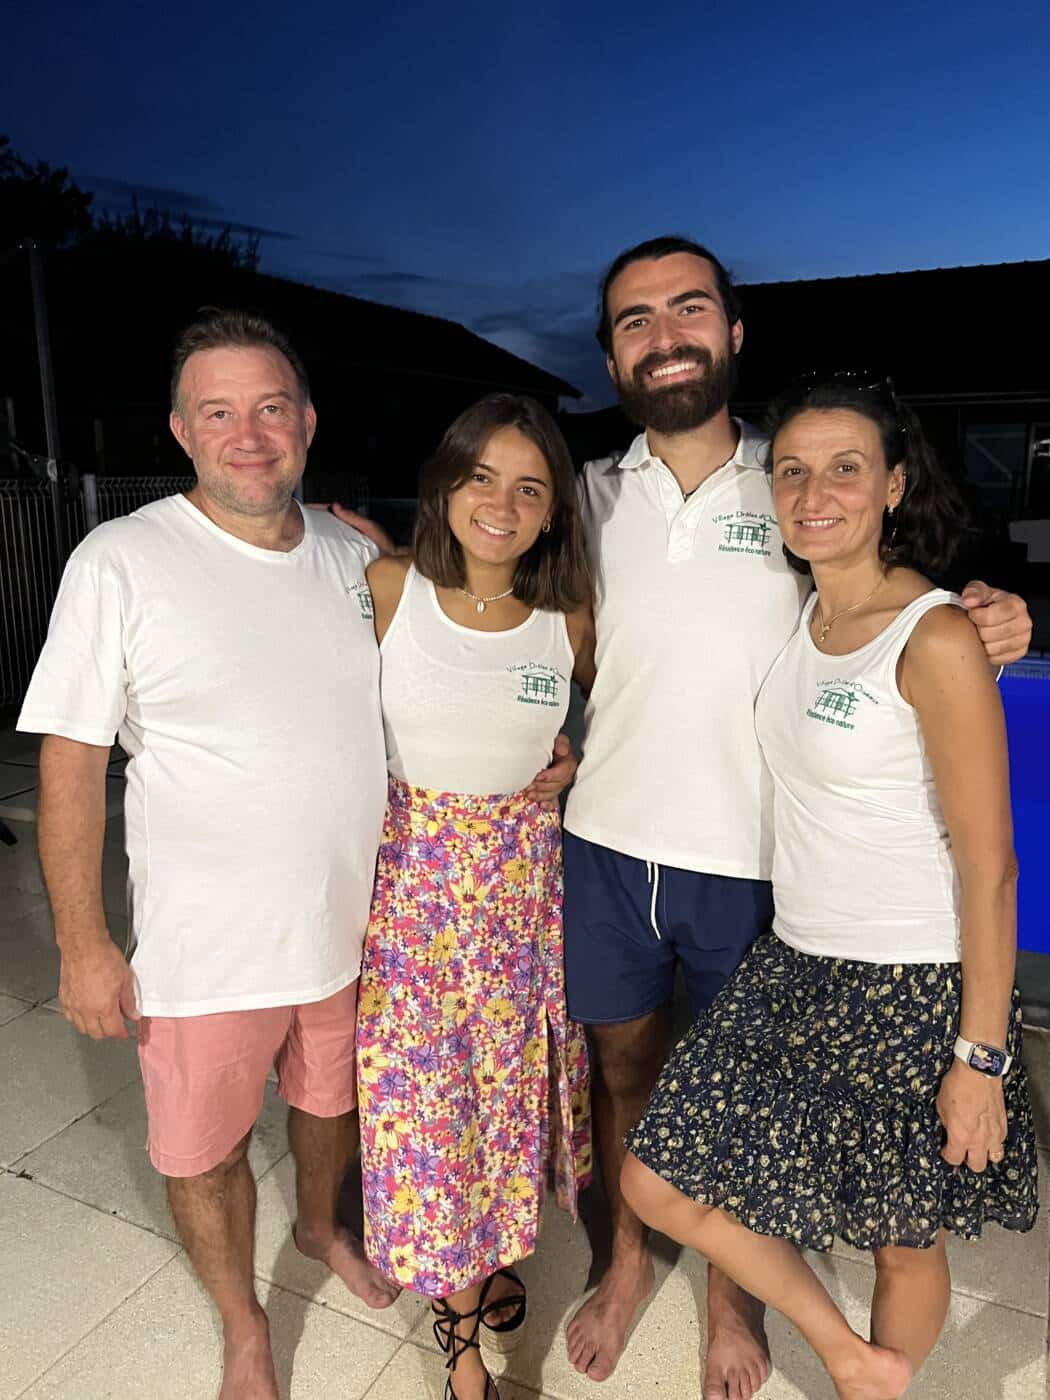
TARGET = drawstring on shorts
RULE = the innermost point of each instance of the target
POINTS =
(652, 874)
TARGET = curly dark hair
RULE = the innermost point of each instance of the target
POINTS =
(930, 523)
(553, 574)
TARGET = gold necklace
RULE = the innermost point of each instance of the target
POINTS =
(479, 603)
(825, 627)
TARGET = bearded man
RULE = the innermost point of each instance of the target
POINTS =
(669, 832)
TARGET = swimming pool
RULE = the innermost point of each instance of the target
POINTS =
(1026, 697)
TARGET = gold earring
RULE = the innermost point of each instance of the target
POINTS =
(546, 527)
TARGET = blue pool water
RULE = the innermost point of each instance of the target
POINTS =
(1026, 696)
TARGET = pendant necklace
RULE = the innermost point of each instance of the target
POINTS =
(825, 627)
(481, 603)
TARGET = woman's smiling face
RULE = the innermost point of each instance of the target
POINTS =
(832, 484)
(497, 513)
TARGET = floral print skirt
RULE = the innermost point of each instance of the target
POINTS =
(803, 1103)
(472, 1081)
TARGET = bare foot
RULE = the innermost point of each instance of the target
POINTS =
(247, 1367)
(873, 1373)
(597, 1334)
(344, 1254)
(737, 1365)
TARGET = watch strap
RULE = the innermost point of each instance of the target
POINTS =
(964, 1051)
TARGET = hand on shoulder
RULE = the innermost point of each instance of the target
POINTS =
(945, 659)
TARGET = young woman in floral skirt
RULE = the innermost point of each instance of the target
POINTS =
(472, 1080)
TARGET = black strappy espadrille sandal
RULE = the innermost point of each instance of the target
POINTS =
(453, 1345)
(503, 1337)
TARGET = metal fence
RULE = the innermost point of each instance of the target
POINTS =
(30, 565)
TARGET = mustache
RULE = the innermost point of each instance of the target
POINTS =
(657, 359)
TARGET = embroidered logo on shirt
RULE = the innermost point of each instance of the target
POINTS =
(837, 702)
(746, 532)
(361, 592)
(539, 684)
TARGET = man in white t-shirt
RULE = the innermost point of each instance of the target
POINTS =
(226, 636)
(668, 831)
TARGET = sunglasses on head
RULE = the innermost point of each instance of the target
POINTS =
(862, 381)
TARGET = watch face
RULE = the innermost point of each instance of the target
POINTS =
(987, 1059)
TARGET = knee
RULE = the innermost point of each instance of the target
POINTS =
(655, 1201)
(624, 1074)
(899, 1260)
(214, 1176)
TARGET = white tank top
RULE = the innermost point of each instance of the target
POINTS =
(466, 711)
(862, 863)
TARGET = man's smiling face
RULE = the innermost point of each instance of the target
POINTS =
(673, 349)
(242, 418)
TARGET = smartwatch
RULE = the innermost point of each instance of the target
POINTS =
(985, 1059)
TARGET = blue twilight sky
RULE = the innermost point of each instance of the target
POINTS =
(484, 162)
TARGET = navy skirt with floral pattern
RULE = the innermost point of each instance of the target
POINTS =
(803, 1103)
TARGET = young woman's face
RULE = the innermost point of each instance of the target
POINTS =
(497, 513)
(831, 485)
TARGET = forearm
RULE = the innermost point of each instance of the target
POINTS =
(71, 824)
(988, 917)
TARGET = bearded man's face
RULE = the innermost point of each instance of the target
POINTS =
(673, 351)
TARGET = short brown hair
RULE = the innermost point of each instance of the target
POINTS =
(553, 574)
(221, 328)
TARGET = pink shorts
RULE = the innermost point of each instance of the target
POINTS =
(205, 1075)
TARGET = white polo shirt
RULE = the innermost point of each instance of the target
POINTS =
(244, 686)
(694, 602)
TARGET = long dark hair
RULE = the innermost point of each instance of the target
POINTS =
(927, 528)
(553, 574)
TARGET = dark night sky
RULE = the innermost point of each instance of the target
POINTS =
(485, 162)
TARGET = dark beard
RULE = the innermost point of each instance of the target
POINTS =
(683, 406)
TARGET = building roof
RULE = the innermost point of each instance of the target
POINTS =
(955, 334)
(114, 313)
(352, 331)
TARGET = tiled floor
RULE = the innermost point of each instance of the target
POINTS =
(97, 1301)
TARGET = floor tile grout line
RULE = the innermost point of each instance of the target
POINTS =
(180, 1250)
(955, 1290)
(520, 1385)
(99, 1210)
(13, 1166)
(310, 1298)
(92, 1330)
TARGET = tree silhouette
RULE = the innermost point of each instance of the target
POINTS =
(40, 202)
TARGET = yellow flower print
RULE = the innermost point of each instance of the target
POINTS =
(374, 1001)
(468, 892)
(469, 1141)
(405, 1264)
(518, 1188)
(389, 1132)
(535, 1052)
(455, 1007)
(516, 871)
(482, 1196)
(407, 1200)
(369, 1065)
(491, 1076)
(498, 1010)
(444, 945)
